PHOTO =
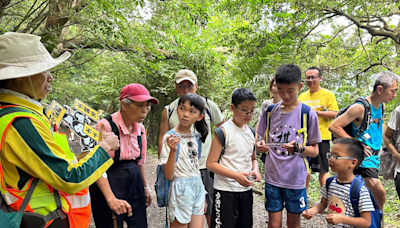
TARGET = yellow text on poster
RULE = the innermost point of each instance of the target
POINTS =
(91, 132)
(85, 109)
(55, 113)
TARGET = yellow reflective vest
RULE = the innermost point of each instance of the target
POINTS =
(29, 148)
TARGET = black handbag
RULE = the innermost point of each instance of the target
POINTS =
(21, 219)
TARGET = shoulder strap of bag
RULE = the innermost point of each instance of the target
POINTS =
(114, 129)
(367, 114)
(199, 143)
(328, 183)
(220, 134)
(28, 195)
(139, 140)
(270, 108)
(355, 188)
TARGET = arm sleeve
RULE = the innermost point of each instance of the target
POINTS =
(216, 114)
(365, 202)
(333, 106)
(32, 147)
(313, 128)
(164, 151)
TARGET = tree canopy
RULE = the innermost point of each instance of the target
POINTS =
(227, 43)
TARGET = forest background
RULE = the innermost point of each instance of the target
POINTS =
(227, 43)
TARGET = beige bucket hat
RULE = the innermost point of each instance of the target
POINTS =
(23, 55)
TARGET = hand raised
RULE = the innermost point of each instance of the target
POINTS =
(172, 142)
(108, 140)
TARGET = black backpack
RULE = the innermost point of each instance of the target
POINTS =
(367, 116)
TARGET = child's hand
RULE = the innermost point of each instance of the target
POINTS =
(242, 179)
(257, 174)
(289, 147)
(261, 147)
(307, 214)
(205, 206)
(334, 219)
(172, 142)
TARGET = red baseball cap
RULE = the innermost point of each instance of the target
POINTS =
(137, 92)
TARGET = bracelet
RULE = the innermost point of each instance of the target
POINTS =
(148, 189)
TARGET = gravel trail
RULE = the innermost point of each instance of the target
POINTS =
(156, 215)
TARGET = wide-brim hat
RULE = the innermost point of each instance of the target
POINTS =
(23, 55)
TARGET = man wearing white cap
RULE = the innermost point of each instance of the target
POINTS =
(186, 82)
(38, 172)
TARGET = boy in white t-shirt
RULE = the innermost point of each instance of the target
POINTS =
(234, 170)
(346, 155)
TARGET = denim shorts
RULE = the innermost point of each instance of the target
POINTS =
(294, 200)
(186, 198)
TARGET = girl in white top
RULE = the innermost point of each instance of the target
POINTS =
(186, 201)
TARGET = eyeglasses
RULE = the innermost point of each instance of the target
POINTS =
(312, 78)
(334, 157)
(191, 86)
(245, 112)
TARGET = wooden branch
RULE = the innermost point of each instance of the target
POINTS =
(380, 39)
(309, 32)
(345, 65)
(80, 64)
(26, 16)
(15, 3)
(362, 44)
(3, 5)
(371, 30)
(335, 35)
(380, 63)
(385, 25)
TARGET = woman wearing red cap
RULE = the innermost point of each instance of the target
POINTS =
(123, 189)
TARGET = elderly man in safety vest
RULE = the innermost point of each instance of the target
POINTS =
(33, 154)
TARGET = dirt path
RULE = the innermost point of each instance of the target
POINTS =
(156, 215)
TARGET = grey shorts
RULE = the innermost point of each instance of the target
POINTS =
(209, 186)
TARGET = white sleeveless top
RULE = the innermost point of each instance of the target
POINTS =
(239, 146)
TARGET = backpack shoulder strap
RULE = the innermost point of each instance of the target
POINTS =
(305, 116)
(173, 132)
(252, 130)
(139, 140)
(199, 143)
(355, 188)
(207, 109)
(268, 119)
(329, 181)
(367, 114)
(114, 128)
(170, 111)
(218, 131)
